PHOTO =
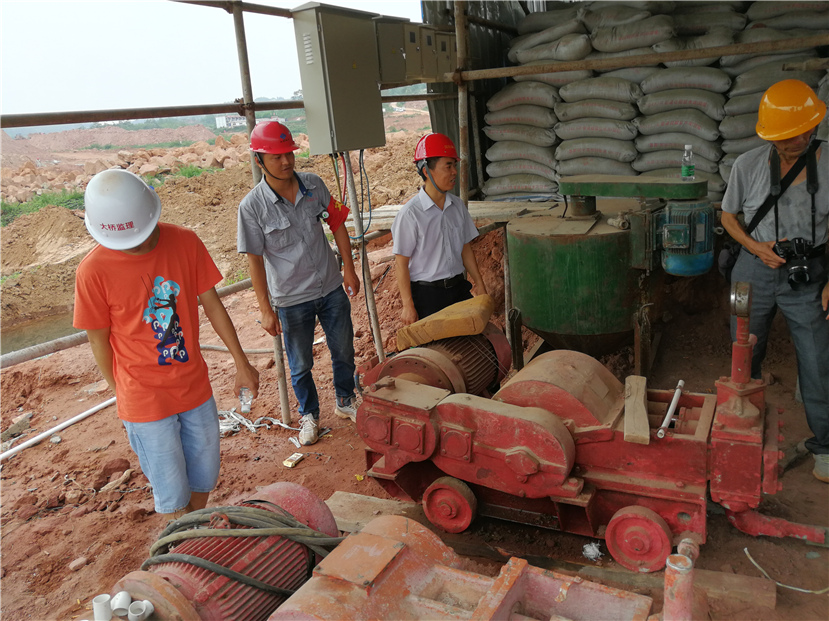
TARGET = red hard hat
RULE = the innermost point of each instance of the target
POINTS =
(272, 137)
(435, 145)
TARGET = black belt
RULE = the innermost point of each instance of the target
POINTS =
(444, 283)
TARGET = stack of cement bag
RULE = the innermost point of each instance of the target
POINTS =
(637, 120)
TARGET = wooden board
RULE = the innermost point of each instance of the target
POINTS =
(353, 511)
(637, 429)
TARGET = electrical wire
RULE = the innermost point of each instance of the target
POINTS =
(780, 584)
(336, 174)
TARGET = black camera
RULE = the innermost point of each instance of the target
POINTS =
(796, 253)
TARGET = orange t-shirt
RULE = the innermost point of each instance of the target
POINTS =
(150, 304)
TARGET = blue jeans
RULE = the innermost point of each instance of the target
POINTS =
(178, 454)
(298, 323)
(808, 327)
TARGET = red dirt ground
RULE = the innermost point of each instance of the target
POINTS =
(52, 514)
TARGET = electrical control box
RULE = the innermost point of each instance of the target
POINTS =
(391, 48)
(447, 53)
(340, 74)
(411, 45)
(429, 53)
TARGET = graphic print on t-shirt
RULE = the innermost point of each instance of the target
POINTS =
(161, 315)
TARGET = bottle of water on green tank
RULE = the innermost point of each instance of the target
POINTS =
(688, 164)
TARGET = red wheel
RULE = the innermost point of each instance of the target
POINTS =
(638, 539)
(450, 504)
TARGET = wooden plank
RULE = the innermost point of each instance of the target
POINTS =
(715, 584)
(353, 511)
(637, 429)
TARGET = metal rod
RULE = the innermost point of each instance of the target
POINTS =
(247, 7)
(643, 59)
(488, 23)
(660, 433)
(281, 378)
(476, 138)
(463, 101)
(37, 119)
(247, 88)
(507, 286)
(371, 307)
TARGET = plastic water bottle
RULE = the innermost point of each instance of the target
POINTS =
(245, 399)
(688, 164)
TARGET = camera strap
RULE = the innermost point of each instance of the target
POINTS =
(778, 186)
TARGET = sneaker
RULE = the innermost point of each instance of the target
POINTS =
(347, 408)
(308, 430)
(821, 471)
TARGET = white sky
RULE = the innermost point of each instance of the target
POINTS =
(69, 55)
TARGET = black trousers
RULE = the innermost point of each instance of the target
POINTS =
(430, 299)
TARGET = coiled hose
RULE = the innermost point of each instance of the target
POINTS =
(259, 523)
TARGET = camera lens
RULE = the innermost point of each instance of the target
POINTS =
(799, 275)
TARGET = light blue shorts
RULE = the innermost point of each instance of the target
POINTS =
(178, 454)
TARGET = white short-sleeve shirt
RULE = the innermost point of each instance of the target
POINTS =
(431, 237)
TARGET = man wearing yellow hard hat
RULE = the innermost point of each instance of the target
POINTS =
(784, 258)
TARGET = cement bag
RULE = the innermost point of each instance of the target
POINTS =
(619, 150)
(811, 20)
(710, 103)
(743, 104)
(636, 34)
(669, 159)
(530, 184)
(705, 78)
(514, 150)
(706, 6)
(718, 36)
(765, 10)
(614, 89)
(740, 126)
(595, 166)
(536, 22)
(762, 77)
(522, 133)
(678, 140)
(757, 35)
(518, 93)
(537, 116)
(653, 7)
(715, 182)
(758, 61)
(741, 145)
(684, 120)
(569, 47)
(632, 74)
(557, 78)
(610, 16)
(600, 108)
(725, 170)
(517, 167)
(639, 51)
(526, 42)
(595, 128)
(696, 24)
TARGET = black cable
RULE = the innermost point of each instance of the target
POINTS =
(259, 523)
(217, 569)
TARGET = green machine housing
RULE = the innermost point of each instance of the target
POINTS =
(588, 279)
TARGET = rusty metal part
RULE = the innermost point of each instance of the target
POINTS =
(395, 568)
(450, 504)
(639, 539)
(679, 589)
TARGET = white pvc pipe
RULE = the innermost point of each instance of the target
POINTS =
(670, 414)
(63, 425)
(101, 609)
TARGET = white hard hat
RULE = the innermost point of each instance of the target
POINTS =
(121, 209)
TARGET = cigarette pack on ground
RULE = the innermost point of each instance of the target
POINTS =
(293, 460)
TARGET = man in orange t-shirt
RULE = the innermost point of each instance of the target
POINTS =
(137, 296)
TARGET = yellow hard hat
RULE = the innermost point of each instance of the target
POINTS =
(788, 109)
